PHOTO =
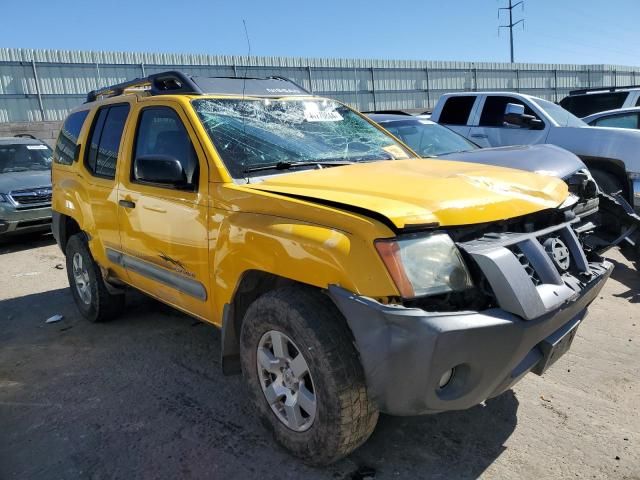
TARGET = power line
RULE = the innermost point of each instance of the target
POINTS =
(511, 22)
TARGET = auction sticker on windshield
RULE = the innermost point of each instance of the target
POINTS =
(37, 147)
(322, 116)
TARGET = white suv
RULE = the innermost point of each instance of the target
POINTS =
(498, 119)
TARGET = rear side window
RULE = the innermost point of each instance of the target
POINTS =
(456, 110)
(68, 138)
(583, 105)
(627, 120)
(106, 134)
(494, 107)
(162, 133)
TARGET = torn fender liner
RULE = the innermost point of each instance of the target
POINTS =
(618, 224)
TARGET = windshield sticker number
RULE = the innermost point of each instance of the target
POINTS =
(322, 116)
(36, 147)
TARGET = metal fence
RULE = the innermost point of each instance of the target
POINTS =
(38, 85)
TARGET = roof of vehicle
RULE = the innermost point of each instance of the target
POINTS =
(388, 117)
(591, 91)
(606, 113)
(20, 141)
(178, 83)
(500, 93)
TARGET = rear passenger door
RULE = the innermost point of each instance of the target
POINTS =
(492, 131)
(163, 226)
(101, 161)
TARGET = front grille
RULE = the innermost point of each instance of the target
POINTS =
(532, 273)
(31, 197)
(528, 268)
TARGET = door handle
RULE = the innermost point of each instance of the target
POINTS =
(127, 204)
(479, 135)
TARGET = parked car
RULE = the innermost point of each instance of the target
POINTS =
(587, 101)
(613, 218)
(25, 186)
(507, 118)
(618, 118)
(347, 276)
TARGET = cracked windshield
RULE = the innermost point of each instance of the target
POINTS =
(262, 136)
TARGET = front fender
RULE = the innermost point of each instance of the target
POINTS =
(296, 250)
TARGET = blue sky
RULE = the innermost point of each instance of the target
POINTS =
(558, 31)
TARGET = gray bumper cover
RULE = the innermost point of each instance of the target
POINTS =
(405, 351)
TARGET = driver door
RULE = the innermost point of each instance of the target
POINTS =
(163, 227)
(492, 131)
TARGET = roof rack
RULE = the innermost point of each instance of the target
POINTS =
(175, 82)
(582, 91)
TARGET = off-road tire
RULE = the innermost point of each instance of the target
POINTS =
(103, 305)
(345, 416)
(607, 182)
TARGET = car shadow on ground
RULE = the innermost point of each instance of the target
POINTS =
(18, 243)
(143, 396)
(630, 278)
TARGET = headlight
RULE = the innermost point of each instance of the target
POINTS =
(425, 265)
(3, 198)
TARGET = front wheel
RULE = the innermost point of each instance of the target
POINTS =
(87, 285)
(304, 374)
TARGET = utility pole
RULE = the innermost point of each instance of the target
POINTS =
(511, 22)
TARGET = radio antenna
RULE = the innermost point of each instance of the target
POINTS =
(244, 84)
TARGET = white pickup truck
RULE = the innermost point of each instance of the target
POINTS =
(495, 119)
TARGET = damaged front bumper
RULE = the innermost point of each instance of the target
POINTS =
(407, 352)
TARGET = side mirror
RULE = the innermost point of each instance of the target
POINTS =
(535, 123)
(514, 115)
(163, 169)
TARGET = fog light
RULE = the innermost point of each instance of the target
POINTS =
(446, 378)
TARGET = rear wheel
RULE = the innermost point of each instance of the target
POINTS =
(87, 285)
(304, 374)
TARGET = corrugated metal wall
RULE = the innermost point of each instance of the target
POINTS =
(38, 85)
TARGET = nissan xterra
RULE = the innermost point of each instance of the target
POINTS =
(347, 277)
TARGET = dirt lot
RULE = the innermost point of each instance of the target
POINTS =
(143, 397)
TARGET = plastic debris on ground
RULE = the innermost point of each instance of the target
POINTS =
(54, 318)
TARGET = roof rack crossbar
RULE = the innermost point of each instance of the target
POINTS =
(582, 91)
(159, 83)
(175, 82)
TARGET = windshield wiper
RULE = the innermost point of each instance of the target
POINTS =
(14, 169)
(289, 165)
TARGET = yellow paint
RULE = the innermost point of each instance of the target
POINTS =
(222, 231)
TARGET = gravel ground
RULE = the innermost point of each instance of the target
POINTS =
(143, 397)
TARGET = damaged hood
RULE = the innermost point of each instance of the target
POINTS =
(420, 192)
(23, 180)
(543, 159)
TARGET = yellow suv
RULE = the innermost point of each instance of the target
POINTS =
(348, 277)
